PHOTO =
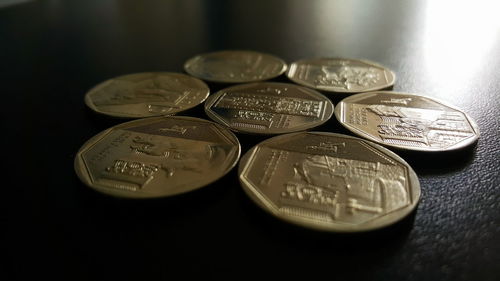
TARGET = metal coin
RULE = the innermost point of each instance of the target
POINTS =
(147, 94)
(340, 75)
(407, 121)
(329, 181)
(157, 157)
(235, 66)
(269, 108)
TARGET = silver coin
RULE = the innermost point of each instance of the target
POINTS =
(235, 66)
(269, 108)
(329, 181)
(407, 121)
(147, 94)
(157, 157)
(340, 75)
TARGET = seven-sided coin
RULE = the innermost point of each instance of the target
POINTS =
(235, 66)
(269, 108)
(329, 181)
(157, 157)
(340, 75)
(147, 94)
(407, 121)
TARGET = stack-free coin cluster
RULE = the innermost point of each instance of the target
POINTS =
(320, 180)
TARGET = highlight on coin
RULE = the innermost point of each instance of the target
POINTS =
(147, 94)
(269, 108)
(157, 157)
(407, 121)
(329, 182)
(340, 75)
(235, 66)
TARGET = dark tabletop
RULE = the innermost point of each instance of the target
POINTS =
(53, 226)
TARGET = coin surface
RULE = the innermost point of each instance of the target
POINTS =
(329, 181)
(147, 94)
(235, 66)
(340, 75)
(157, 157)
(407, 121)
(269, 108)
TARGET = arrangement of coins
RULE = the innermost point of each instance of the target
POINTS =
(319, 180)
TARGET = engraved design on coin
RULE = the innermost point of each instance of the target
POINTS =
(329, 181)
(346, 76)
(269, 108)
(235, 66)
(407, 121)
(157, 157)
(168, 156)
(340, 75)
(147, 94)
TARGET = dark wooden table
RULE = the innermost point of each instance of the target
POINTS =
(53, 226)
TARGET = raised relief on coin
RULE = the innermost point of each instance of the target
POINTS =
(157, 157)
(147, 94)
(329, 181)
(340, 75)
(407, 121)
(235, 66)
(269, 108)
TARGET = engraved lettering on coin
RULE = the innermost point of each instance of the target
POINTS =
(356, 187)
(271, 165)
(407, 121)
(268, 108)
(157, 157)
(177, 129)
(328, 146)
(340, 75)
(235, 66)
(147, 94)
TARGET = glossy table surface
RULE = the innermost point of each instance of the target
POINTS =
(53, 52)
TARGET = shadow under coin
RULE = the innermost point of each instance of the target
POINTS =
(102, 122)
(435, 163)
(383, 239)
(99, 207)
(215, 86)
